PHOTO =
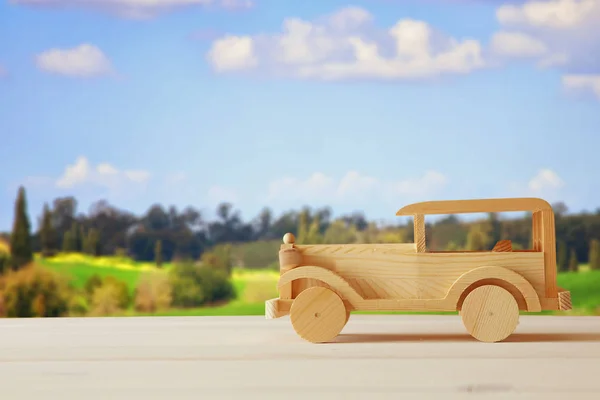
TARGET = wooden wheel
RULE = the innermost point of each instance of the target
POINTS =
(318, 314)
(347, 316)
(490, 313)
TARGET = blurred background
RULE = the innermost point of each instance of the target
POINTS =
(153, 154)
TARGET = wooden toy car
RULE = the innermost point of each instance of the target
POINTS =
(320, 285)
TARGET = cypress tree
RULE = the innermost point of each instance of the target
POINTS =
(68, 244)
(90, 242)
(47, 233)
(573, 262)
(594, 254)
(158, 256)
(302, 227)
(562, 256)
(20, 240)
(77, 237)
(314, 233)
(94, 241)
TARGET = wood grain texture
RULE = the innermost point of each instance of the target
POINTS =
(391, 272)
(475, 206)
(503, 246)
(419, 233)
(375, 357)
(318, 315)
(490, 313)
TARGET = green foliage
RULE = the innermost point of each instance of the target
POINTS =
(154, 293)
(47, 233)
(69, 243)
(33, 292)
(256, 255)
(314, 235)
(105, 301)
(220, 258)
(93, 282)
(562, 256)
(448, 234)
(120, 252)
(108, 296)
(584, 288)
(5, 262)
(194, 285)
(20, 241)
(338, 232)
(494, 230)
(477, 238)
(594, 257)
(302, 236)
(78, 306)
(81, 271)
(391, 236)
(158, 255)
(573, 262)
(452, 246)
(121, 291)
(369, 235)
(91, 242)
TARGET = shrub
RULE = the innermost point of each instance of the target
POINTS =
(123, 296)
(4, 262)
(220, 257)
(594, 257)
(93, 282)
(78, 306)
(105, 301)
(195, 285)
(107, 296)
(153, 293)
(33, 292)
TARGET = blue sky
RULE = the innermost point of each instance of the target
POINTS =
(368, 105)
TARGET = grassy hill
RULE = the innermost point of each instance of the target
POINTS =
(252, 286)
(256, 286)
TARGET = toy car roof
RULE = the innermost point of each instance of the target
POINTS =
(476, 206)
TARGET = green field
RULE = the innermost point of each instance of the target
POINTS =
(255, 286)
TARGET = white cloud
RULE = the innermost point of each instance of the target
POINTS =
(554, 14)
(516, 44)
(347, 45)
(136, 9)
(546, 179)
(564, 34)
(103, 175)
(589, 83)
(354, 188)
(84, 60)
(233, 53)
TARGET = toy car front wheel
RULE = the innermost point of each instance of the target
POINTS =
(318, 314)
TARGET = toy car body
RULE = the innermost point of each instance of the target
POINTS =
(320, 285)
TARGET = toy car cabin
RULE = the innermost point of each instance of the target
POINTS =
(320, 285)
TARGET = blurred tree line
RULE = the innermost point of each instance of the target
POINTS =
(166, 234)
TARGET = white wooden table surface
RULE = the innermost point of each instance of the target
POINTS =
(375, 357)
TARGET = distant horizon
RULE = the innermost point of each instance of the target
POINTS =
(210, 215)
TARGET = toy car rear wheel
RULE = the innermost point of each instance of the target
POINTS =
(490, 313)
(318, 314)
